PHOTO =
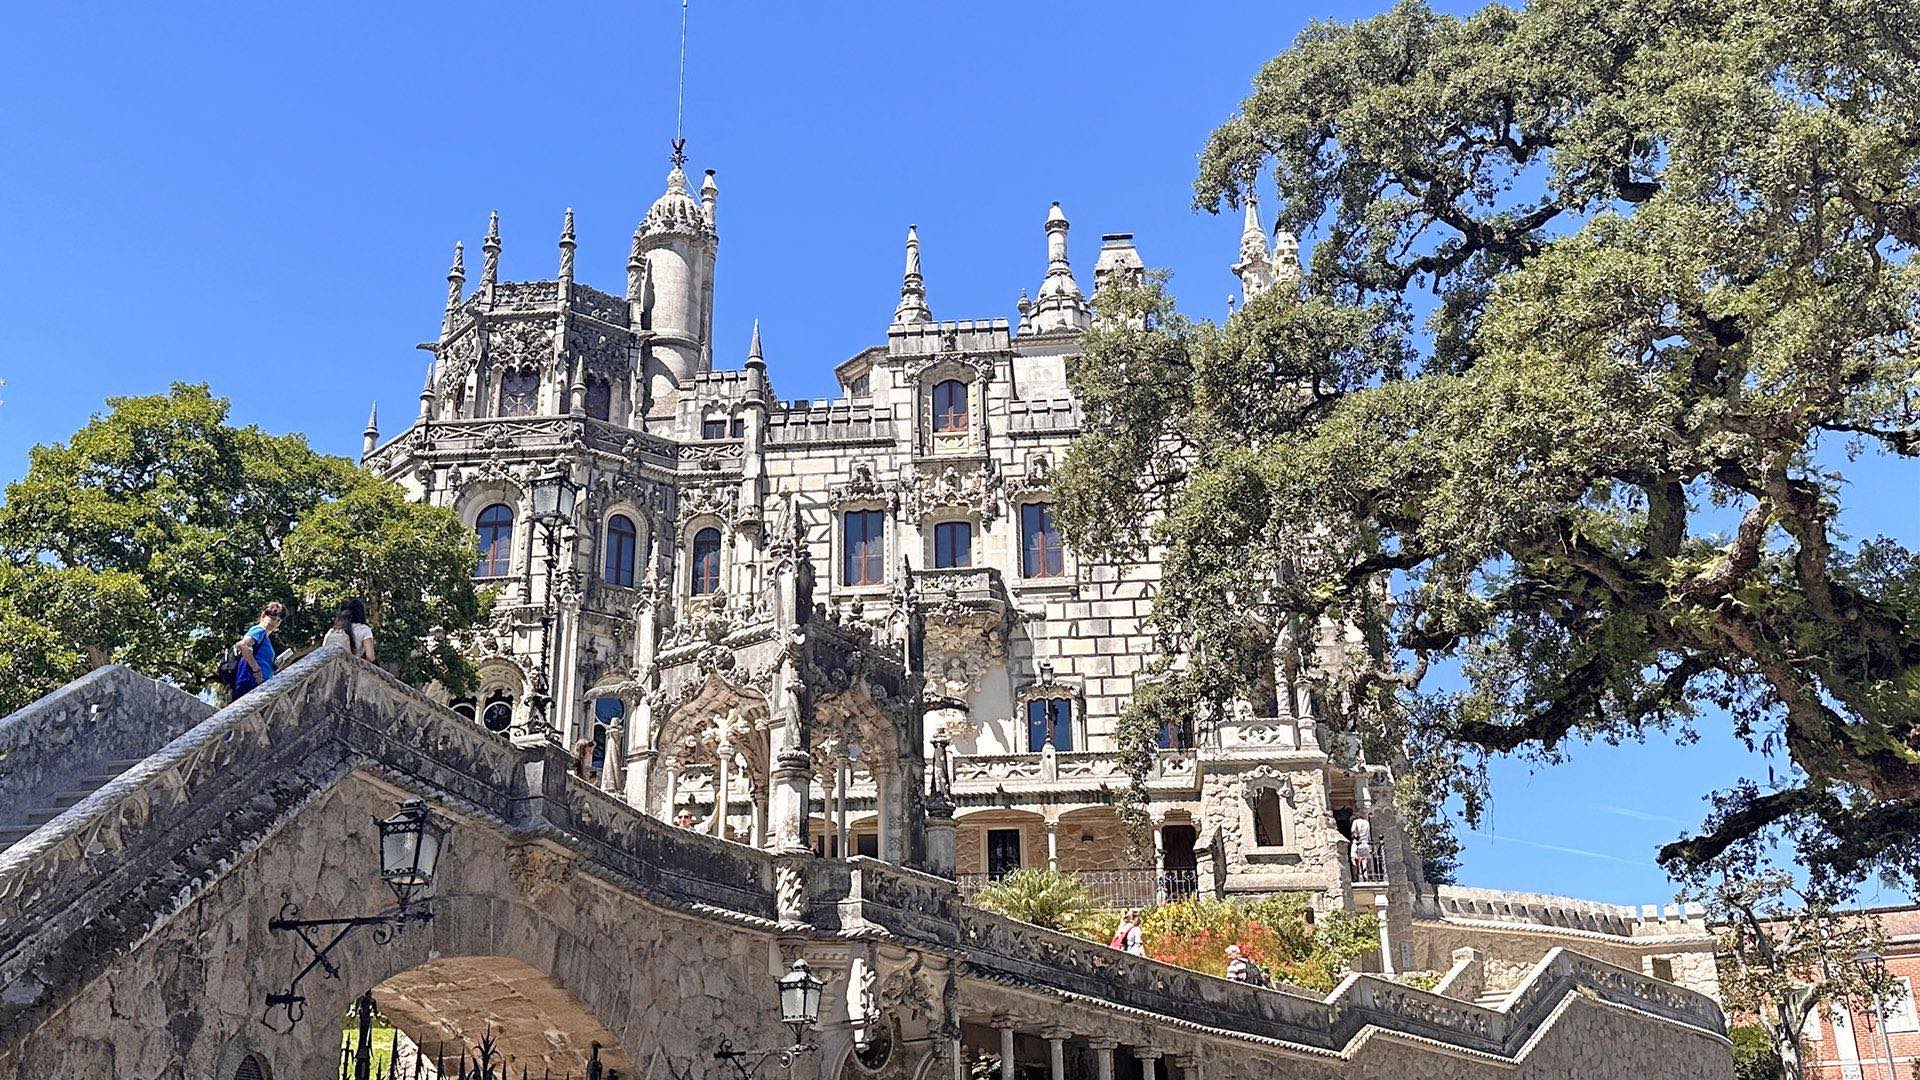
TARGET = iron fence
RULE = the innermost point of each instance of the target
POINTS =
(403, 1060)
(1114, 889)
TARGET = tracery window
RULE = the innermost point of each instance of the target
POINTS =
(706, 561)
(498, 715)
(495, 528)
(1049, 723)
(950, 406)
(952, 544)
(622, 538)
(865, 558)
(519, 392)
(1042, 554)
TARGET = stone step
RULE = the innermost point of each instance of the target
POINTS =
(1492, 999)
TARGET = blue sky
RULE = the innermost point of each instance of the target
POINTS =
(265, 197)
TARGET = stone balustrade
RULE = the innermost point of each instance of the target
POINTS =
(112, 712)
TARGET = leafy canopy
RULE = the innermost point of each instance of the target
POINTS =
(1603, 296)
(155, 534)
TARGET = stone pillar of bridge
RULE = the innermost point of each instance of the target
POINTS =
(1057, 1052)
(1004, 1023)
(1103, 1049)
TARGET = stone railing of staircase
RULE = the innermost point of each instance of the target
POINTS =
(92, 882)
(111, 713)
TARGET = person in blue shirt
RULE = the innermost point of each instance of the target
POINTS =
(256, 650)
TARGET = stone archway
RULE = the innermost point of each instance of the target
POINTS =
(534, 1023)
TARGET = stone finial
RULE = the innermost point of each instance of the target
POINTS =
(753, 350)
(1287, 267)
(426, 394)
(636, 272)
(1060, 305)
(370, 437)
(1255, 268)
(490, 267)
(709, 199)
(566, 248)
(456, 277)
(913, 289)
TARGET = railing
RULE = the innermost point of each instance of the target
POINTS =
(1114, 890)
(1372, 869)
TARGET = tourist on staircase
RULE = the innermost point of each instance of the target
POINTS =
(254, 650)
(350, 630)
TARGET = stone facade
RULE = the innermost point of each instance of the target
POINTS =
(903, 529)
(136, 937)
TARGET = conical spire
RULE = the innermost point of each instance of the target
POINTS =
(566, 248)
(456, 277)
(490, 269)
(1060, 306)
(753, 350)
(370, 438)
(913, 289)
(1255, 269)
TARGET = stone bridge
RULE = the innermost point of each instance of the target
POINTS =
(134, 936)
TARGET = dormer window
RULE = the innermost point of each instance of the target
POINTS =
(950, 407)
(860, 387)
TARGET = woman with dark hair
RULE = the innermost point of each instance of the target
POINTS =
(350, 630)
(255, 650)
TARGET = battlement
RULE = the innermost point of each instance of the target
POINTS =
(953, 335)
(824, 420)
(1562, 912)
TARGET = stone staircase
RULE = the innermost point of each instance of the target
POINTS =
(1492, 999)
(19, 822)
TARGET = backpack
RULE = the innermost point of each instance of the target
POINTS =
(227, 667)
(1119, 939)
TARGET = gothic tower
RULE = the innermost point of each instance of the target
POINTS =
(678, 245)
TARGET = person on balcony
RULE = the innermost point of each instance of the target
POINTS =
(1362, 850)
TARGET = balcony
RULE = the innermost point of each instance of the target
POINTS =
(984, 773)
(1114, 890)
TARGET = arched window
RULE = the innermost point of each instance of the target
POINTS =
(1268, 821)
(498, 716)
(950, 406)
(519, 392)
(599, 398)
(952, 544)
(706, 561)
(467, 708)
(251, 1068)
(1041, 552)
(621, 539)
(495, 526)
(865, 557)
(1049, 722)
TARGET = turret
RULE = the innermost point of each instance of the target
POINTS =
(678, 246)
(913, 289)
(1119, 265)
(370, 437)
(1059, 305)
(1255, 270)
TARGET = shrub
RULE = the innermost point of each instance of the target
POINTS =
(1045, 898)
(1272, 931)
(1753, 1054)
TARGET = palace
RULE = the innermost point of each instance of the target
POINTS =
(659, 529)
(770, 688)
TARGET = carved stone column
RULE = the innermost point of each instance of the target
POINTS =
(1148, 1056)
(1157, 824)
(1386, 940)
(788, 800)
(1189, 1066)
(1057, 1052)
(640, 779)
(1103, 1049)
(1052, 825)
(1005, 1024)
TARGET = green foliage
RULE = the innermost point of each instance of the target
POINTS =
(1753, 1055)
(154, 535)
(1421, 980)
(1597, 293)
(1043, 897)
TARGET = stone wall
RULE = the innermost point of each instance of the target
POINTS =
(1510, 951)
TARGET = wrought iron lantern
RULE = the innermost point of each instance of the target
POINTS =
(800, 999)
(554, 495)
(410, 843)
(799, 1010)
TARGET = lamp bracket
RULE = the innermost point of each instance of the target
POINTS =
(386, 924)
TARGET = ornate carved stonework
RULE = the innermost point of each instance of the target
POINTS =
(967, 489)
